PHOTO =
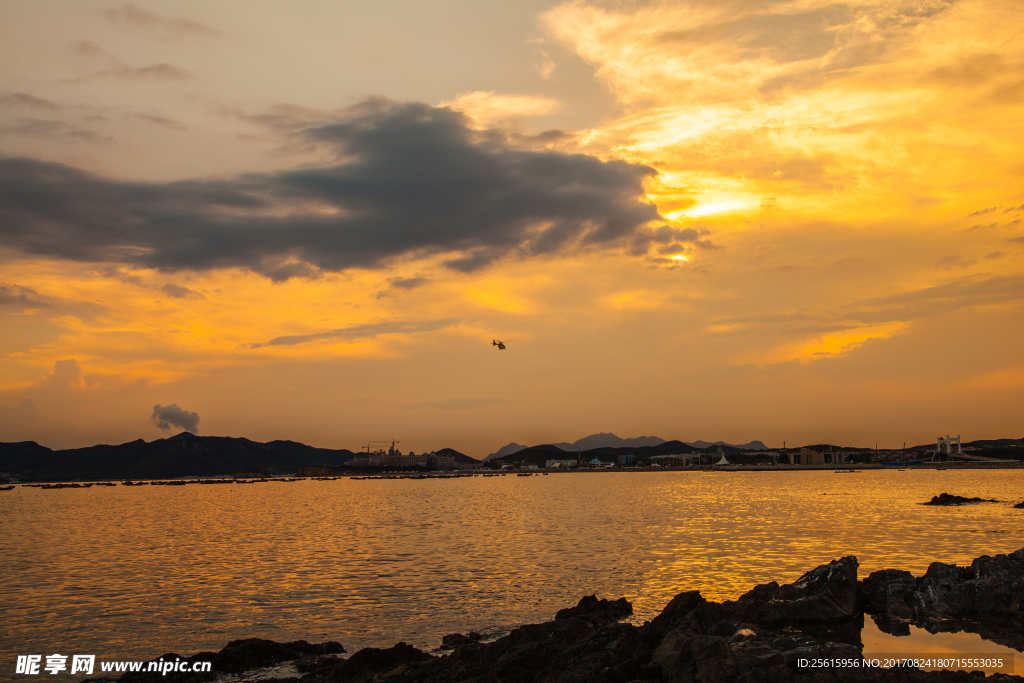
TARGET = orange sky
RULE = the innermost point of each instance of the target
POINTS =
(786, 221)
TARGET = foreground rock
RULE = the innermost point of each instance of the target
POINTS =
(950, 499)
(1020, 505)
(985, 598)
(760, 638)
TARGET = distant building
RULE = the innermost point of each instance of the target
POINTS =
(809, 456)
(625, 460)
(441, 462)
(396, 459)
(672, 458)
(560, 464)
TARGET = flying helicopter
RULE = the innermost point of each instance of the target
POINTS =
(500, 344)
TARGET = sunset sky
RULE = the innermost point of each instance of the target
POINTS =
(790, 221)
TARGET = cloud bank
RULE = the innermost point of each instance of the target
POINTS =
(410, 180)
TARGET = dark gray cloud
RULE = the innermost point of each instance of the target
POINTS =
(87, 48)
(178, 292)
(21, 99)
(14, 297)
(48, 129)
(22, 411)
(20, 297)
(982, 212)
(117, 69)
(166, 417)
(409, 282)
(462, 403)
(973, 290)
(956, 261)
(365, 331)
(411, 180)
(972, 69)
(161, 71)
(403, 283)
(135, 17)
(160, 121)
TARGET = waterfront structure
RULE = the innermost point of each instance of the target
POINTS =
(945, 445)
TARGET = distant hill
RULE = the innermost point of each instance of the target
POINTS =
(506, 450)
(310, 454)
(177, 456)
(538, 455)
(603, 440)
(751, 446)
(460, 458)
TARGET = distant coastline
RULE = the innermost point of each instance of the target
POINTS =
(190, 456)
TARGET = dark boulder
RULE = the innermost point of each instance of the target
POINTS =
(949, 499)
(1019, 506)
(370, 664)
(454, 640)
(827, 593)
(596, 611)
(681, 612)
(888, 591)
(253, 653)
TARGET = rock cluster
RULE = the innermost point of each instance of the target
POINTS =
(950, 499)
(985, 598)
(759, 638)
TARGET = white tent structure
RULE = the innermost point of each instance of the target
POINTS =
(723, 461)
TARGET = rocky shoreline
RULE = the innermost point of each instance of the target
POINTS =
(763, 636)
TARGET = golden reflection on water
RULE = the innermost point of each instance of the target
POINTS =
(135, 572)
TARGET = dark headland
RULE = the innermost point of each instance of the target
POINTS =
(762, 637)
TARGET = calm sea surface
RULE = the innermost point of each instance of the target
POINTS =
(135, 572)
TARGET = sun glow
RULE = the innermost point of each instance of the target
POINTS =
(710, 208)
(680, 257)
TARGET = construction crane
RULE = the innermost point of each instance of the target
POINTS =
(390, 441)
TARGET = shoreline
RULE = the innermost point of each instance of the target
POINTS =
(841, 468)
(771, 633)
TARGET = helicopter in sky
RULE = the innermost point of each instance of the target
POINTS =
(500, 344)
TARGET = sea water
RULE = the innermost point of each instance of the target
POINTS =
(134, 572)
